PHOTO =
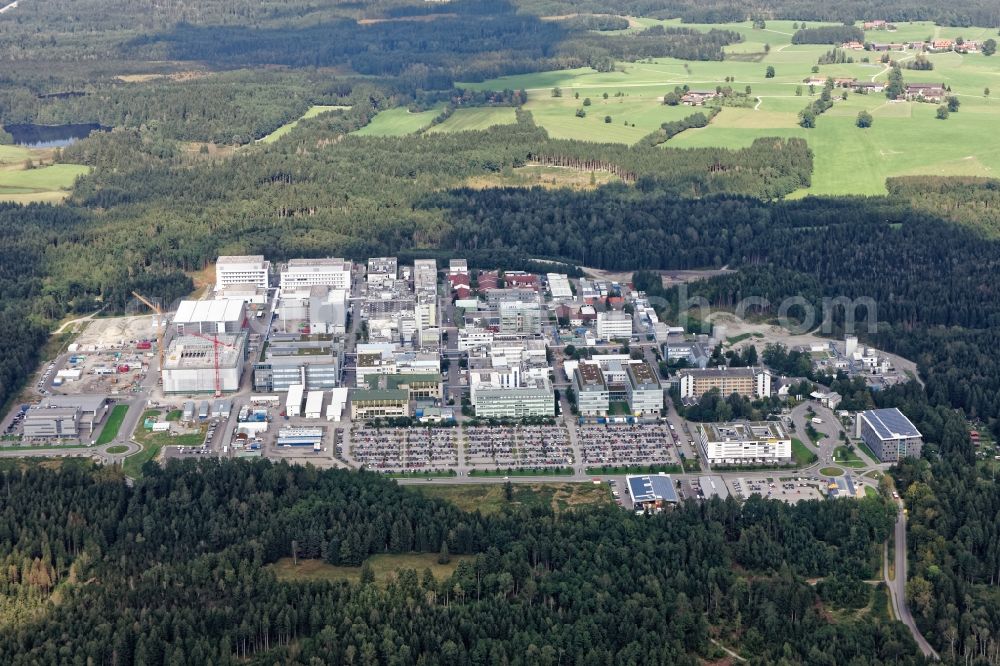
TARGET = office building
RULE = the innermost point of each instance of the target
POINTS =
(328, 272)
(520, 318)
(379, 403)
(742, 442)
(889, 434)
(643, 390)
(316, 364)
(593, 398)
(748, 382)
(533, 397)
(613, 325)
(233, 271)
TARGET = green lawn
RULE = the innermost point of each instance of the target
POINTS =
(113, 424)
(523, 471)
(398, 122)
(383, 566)
(287, 127)
(174, 415)
(491, 498)
(831, 471)
(844, 456)
(153, 442)
(464, 120)
(635, 469)
(906, 138)
(870, 492)
(49, 183)
(802, 454)
(117, 448)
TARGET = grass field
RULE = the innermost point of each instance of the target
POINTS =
(287, 127)
(152, 443)
(906, 138)
(803, 456)
(831, 471)
(543, 176)
(490, 498)
(464, 120)
(844, 456)
(41, 184)
(383, 566)
(117, 448)
(398, 122)
(113, 425)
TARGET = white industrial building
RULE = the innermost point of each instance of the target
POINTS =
(316, 309)
(532, 396)
(559, 286)
(210, 317)
(293, 402)
(233, 271)
(338, 401)
(733, 443)
(327, 272)
(314, 405)
(189, 364)
(613, 325)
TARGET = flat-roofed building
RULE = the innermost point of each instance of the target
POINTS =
(559, 287)
(231, 271)
(416, 384)
(325, 272)
(379, 403)
(749, 382)
(593, 397)
(533, 397)
(643, 390)
(190, 366)
(91, 409)
(651, 491)
(614, 325)
(210, 317)
(316, 364)
(520, 318)
(425, 275)
(889, 434)
(382, 270)
(744, 441)
(51, 422)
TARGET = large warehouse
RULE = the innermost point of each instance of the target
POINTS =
(224, 315)
(189, 365)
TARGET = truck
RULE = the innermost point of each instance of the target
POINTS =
(817, 420)
(317, 447)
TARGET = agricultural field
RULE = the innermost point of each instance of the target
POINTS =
(905, 139)
(398, 122)
(287, 127)
(465, 120)
(40, 184)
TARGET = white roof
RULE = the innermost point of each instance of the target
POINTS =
(223, 309)
(314, 402)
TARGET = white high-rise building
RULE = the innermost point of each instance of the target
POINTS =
(327, 272)
(232, 271)
(614, 325)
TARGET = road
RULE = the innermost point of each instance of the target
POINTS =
(897, 588)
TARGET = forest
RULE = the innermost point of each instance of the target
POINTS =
(174, 570)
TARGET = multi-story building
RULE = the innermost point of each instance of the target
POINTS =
(519, 318)
(533, 397)
(764, 441)
(326, 272)
(48, 422)
(643, 389)
(418, 385)
(889, 434)
(613, 325)
(425, 275)
(511, 294)
(233, 271)
(749, 382)
(316, 310)
(382, 270)
(192, 364)
(593, 398)
(376, 403)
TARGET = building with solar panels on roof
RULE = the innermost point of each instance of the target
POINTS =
(889, 434)
(652, 492)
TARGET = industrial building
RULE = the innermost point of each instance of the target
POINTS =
(651, 491)
(614, 325)
(314, 405)
(293, 401)
(64, 416)
(318, 309)
(306, 437)
(382, 270)
(418, 385)
(748, 382)
(889, 434)
(520, 318)
(190, 364)
(593, 398)
(289, 360)
(379, 403)
(643, 390)
(326, 272)
(741, 442)
(559, 286)
(210, 317)
(235, 271)
(713, 486)
(533, 397)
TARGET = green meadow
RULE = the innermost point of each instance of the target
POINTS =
(465, 120)
(398, 122)
(40, 184)
(906, 138)
(287, 127)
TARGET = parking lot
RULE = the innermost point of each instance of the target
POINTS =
(517, 446)
(405, 449)
(639, 444)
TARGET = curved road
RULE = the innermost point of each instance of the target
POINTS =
(897, 588)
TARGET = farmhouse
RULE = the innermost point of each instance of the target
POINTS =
(925, 92)
(877, 24)
(942, 44)
(698, 97)
(869, 87)
(853, 46)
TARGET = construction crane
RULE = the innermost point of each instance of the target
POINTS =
(161, 325)
(216, 343)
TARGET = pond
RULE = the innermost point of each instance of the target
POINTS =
(50, 136)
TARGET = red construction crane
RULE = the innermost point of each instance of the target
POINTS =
(216, 343)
